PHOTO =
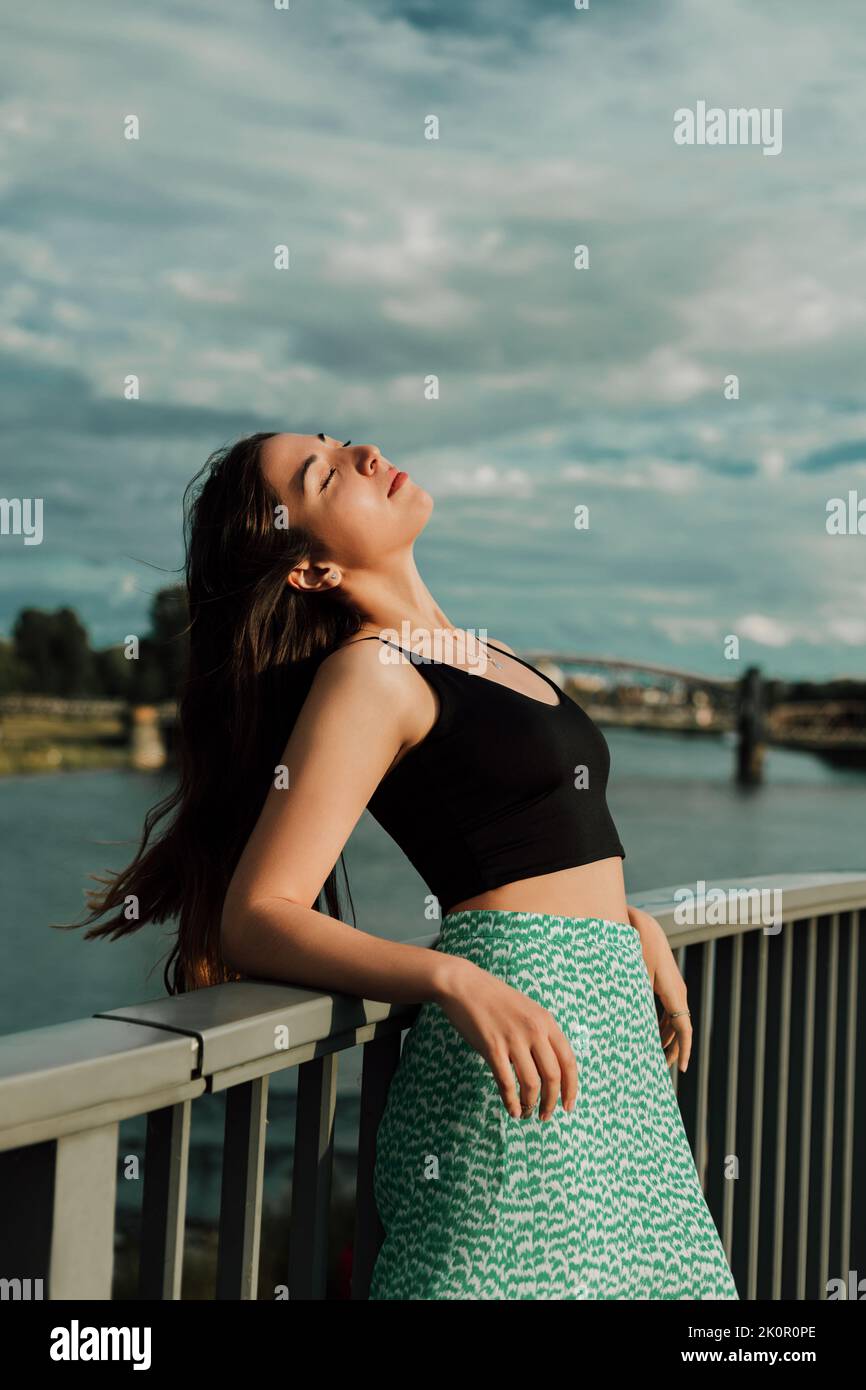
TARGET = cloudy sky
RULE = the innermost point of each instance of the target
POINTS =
(453, 257)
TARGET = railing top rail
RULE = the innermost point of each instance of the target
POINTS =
(144, 1049)
(799, 896)
(239, 1023)
(89, 1062)
(138, 1051)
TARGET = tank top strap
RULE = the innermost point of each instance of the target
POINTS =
(421, 663)
(414, 657)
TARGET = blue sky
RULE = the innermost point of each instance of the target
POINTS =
(452, 257)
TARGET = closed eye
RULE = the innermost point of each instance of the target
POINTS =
(333, 470)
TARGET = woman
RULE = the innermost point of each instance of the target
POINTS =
(302, 707)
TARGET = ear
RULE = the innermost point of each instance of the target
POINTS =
(312, 578)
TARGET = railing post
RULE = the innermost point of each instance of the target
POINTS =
(311, 1177)
(729, 1190)
(807, 1027)
(831, 1021)
(381, 1057)
(850, 1101)
(57, 1221)
(241, 1199)
(756, 1147)
(82, 1232)
(164, 1202)
(782, 1106)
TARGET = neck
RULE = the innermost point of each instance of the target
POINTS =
(396, 595)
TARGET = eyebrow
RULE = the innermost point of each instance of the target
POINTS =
(302, 472)
(301, 475)
(307, 464)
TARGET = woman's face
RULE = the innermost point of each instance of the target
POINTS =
(343, 495)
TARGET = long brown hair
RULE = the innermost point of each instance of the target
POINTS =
(254, 643)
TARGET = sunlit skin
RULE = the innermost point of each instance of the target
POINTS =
(361, 716)
(342, 498)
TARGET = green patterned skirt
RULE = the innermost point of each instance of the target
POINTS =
(600, 1203)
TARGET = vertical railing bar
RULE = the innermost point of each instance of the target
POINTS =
(782, 1108)
(163, 1208)
(850, 1069)
(806, 1109)
(733, 1087)
(311, 1177)
(381, 1058)
(830, 1026)
(242, 1184)
(83, 1215)
(706, 1032)
(758, 1114)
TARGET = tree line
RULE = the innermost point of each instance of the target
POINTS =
(50, 654)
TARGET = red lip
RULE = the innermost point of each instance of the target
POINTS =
(398, 480)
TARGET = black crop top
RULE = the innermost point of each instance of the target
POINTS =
(503, 787)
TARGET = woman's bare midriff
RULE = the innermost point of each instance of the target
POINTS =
(590, 890)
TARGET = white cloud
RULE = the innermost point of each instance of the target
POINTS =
(849, 629)
(484, 480)
(763, 629)
(665, 374)
(70, 314)
(766, 299)
(654, 475)
(191, 284)
(772, 463)
(34, 257)
(683, 630)
(436, 307)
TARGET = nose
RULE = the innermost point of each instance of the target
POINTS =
(372, 459)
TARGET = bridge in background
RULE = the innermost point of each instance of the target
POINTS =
(745, 707)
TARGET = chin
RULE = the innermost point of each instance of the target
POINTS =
(420, 496)
(422, 505)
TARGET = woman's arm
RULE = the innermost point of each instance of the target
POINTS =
(356, 718)
(359, 713)
(668, 984)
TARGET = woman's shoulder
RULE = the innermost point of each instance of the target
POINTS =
(356, 666)
(353, 678)
(344, 657)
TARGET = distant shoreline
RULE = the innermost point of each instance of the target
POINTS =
(46, 733)
(38, 735)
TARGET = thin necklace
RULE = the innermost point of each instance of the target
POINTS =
(497, 664)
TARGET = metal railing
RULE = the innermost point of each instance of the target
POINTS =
(774, 1107)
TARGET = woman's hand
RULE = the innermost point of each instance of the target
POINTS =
(668, 984)
(510, 1029)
